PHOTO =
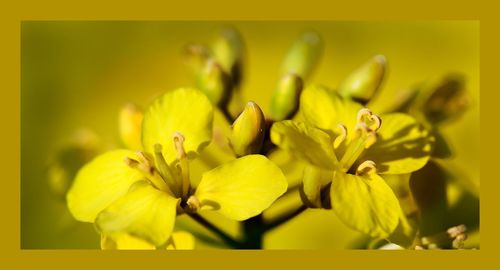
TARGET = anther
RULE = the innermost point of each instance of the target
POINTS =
(179, 144)
(372, 121)
(366, 168)
(193, 204)
(342, 130)
(131, 162)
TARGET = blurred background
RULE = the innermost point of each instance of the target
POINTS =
(76, 76)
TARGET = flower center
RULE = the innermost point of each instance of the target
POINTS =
(173, 179)
(365, 135)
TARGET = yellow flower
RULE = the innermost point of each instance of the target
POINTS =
(132, 195)
(348, 149)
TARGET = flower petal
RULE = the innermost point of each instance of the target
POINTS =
(365, 203)
(144, 212)
(305, 142)
(327, 110)
(184, 110)
(242, 188)
(181, 240)
(313, 181)
(124, 241)
(404, 146)
(99, 183)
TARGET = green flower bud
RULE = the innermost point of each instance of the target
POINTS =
(445, 99)
(248, 131)
(130, 123)
(228, 50)
(64, 166)
(304, 55)
(196, 56)
(214, 82)
(362, 84)
(285, 99)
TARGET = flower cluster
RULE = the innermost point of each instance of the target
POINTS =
(135, 194)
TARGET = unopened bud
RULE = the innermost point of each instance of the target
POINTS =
(446, 99)
(228, 50)
(214, 82)
(304, 55)
(248, 131)
(362, 84)
(196, 55)
(285, 99)
(130, 126)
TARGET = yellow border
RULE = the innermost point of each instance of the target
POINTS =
(12, 14)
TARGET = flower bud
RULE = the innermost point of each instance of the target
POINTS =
(285, 99)
(196, 55)
(304, 55)
(130, 123)
(248, 131)
(362, 84)
(214, 82)
(228, 50)
(446, 99)
(64, 165)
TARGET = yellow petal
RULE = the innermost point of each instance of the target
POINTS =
(181, 240)
(403, 145)
(242, 188)
(365, 203)
(124, 241)
(184, 110)
(313, 181)
(144, 212)
(326, 110)
(99, 183)
(305, 142)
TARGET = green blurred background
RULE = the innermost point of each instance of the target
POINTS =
(78, 75)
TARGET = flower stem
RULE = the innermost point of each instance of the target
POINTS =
(224, 236)
(253, 229)
(227, 115)
(284, 218)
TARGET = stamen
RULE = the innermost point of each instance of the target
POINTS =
(371, 139)
(165, 171)
(132, 163)
(179, 144)
(372, 121)
(366, 168)
(364, 137)
(193, 204)
(183, 163)
(148, 170)
(342, 130)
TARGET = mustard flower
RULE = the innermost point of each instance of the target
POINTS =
(348, 149)
(133, 197)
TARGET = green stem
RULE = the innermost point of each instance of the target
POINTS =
(224, 236)
(253, 229)
(286, 217)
